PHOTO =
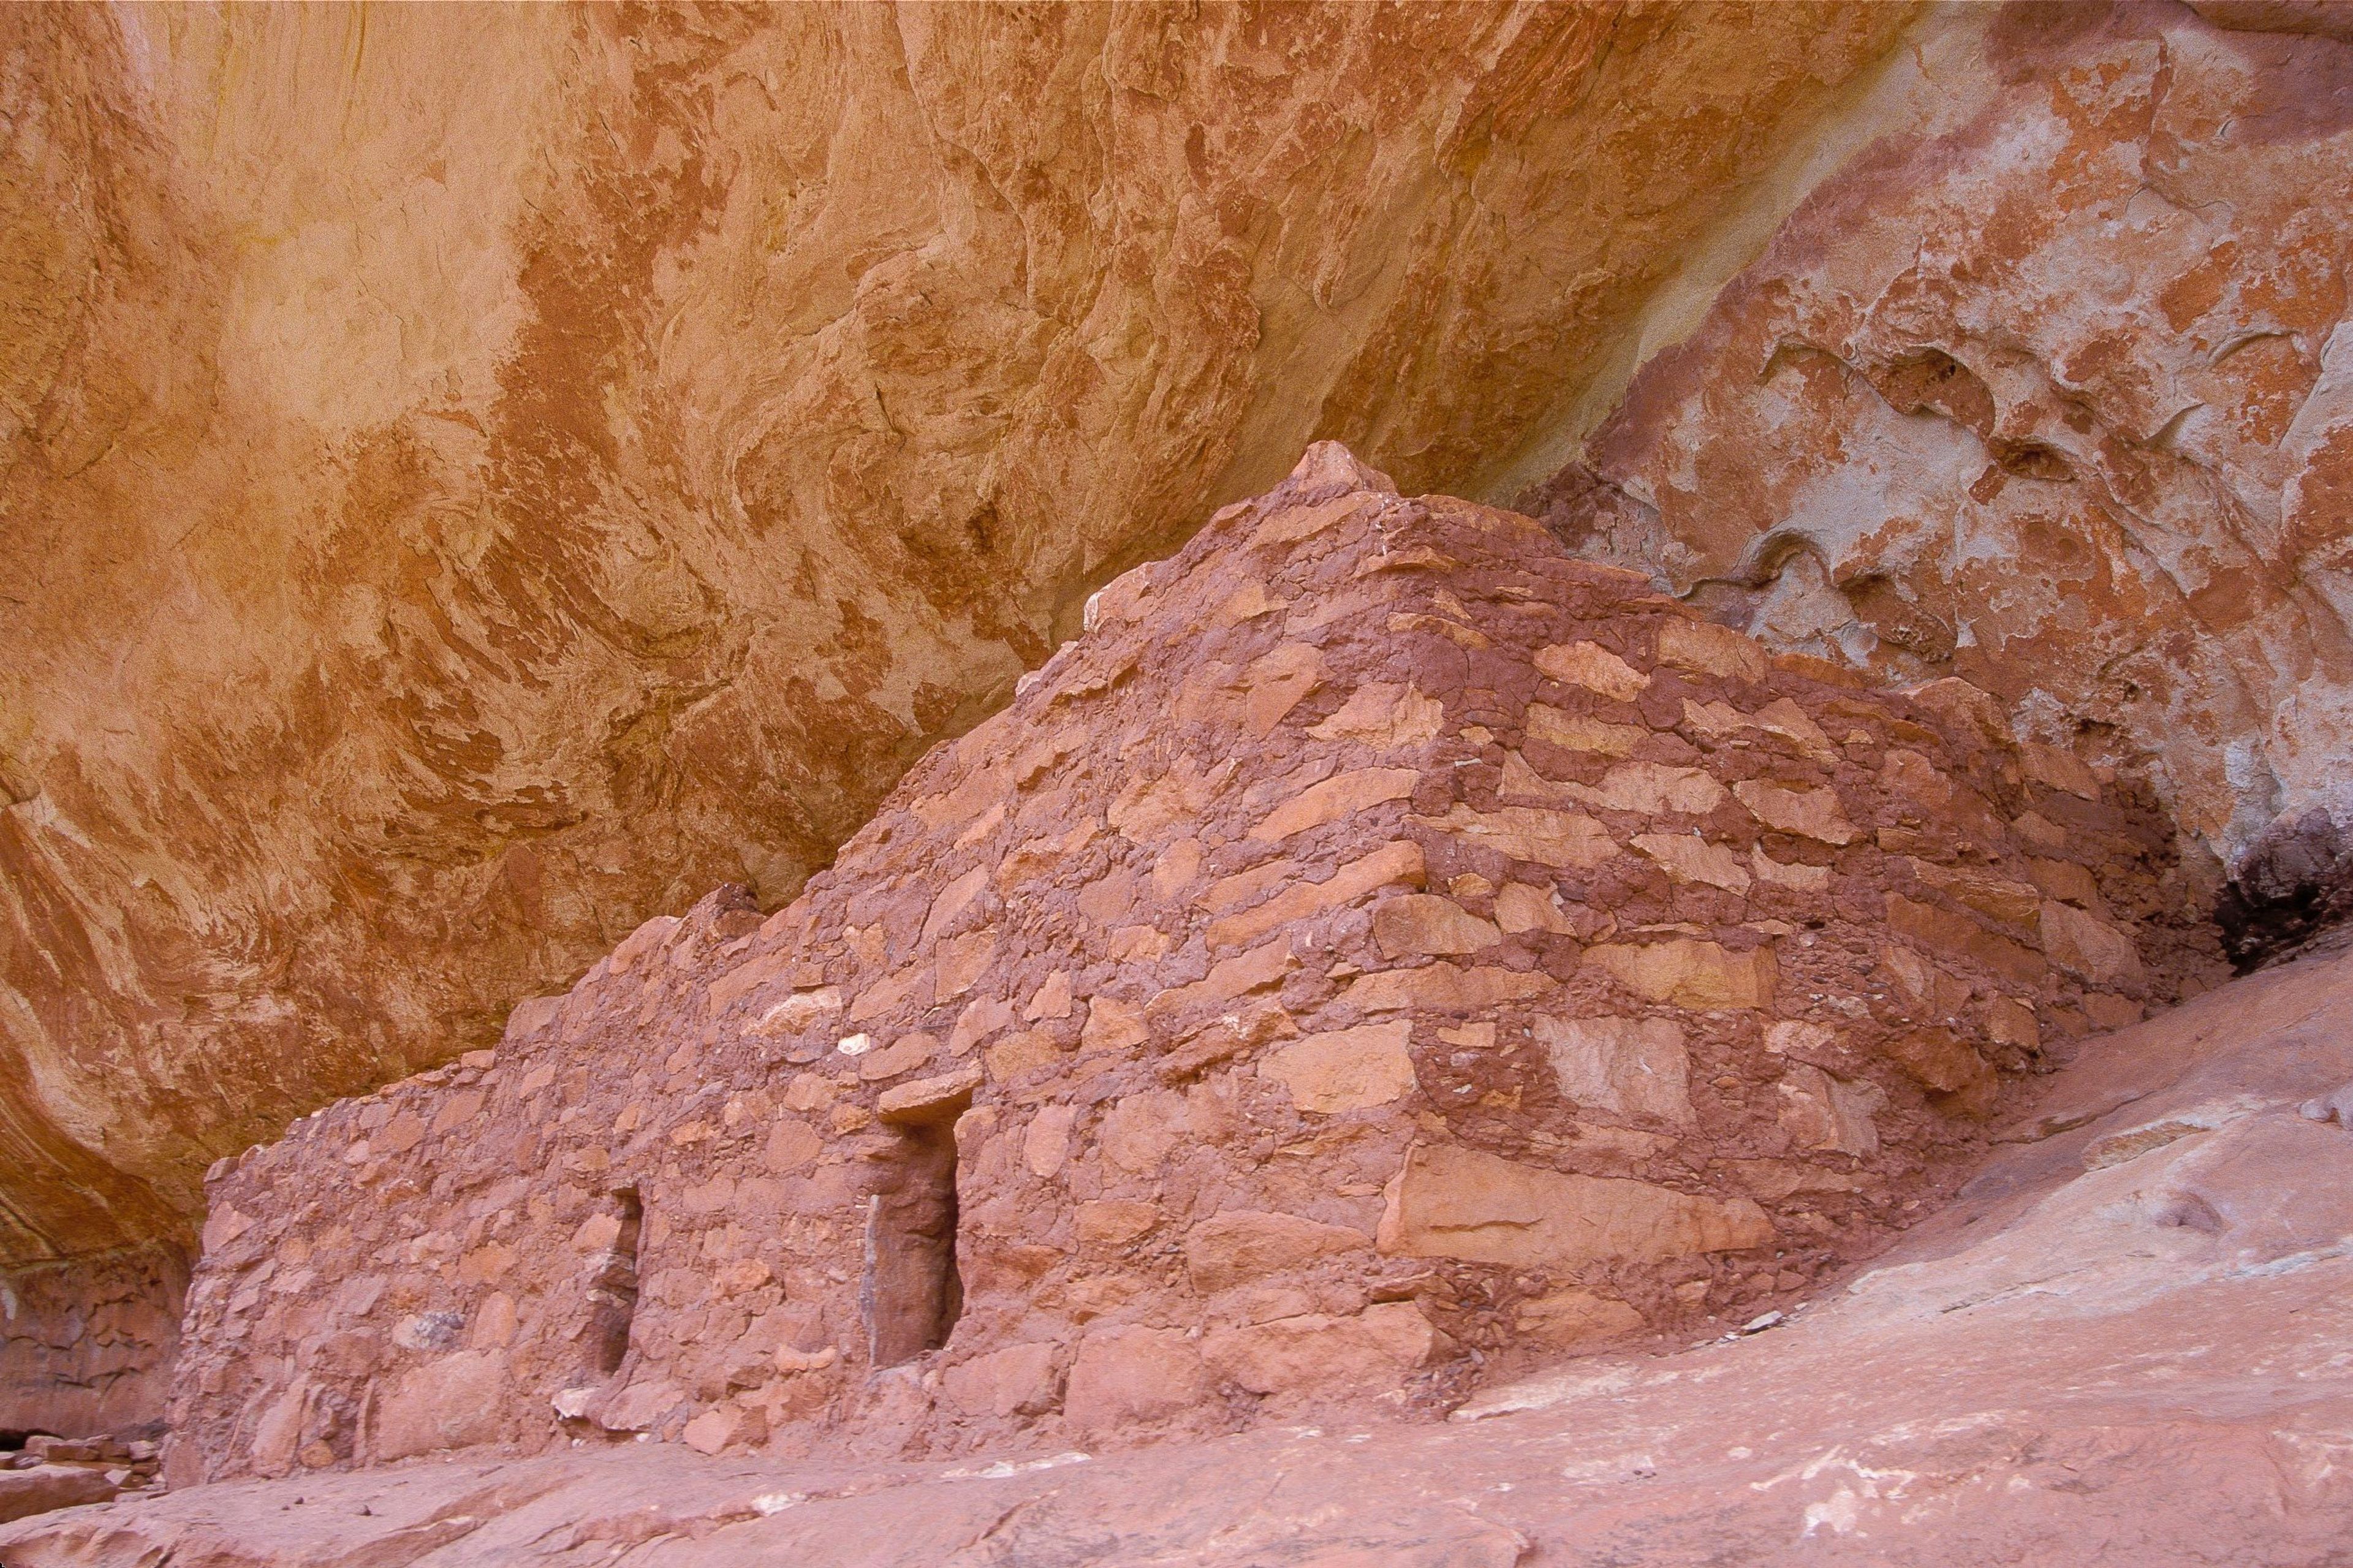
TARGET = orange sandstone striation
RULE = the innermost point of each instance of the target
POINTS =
(476, 476)
(1380, 942)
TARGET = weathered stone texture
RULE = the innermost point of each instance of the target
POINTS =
(44, 1488)
(87, 1348)
(2045, 382)
(1009, 1097)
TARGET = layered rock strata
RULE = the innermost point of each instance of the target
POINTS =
(1381, 938)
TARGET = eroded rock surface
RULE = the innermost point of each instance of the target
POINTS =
(87, 1347)
(50, 1473)
(2046, 385)
(2123, 1346)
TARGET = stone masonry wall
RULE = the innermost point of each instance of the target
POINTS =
(1380, 944)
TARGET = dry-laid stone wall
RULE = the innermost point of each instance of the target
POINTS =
(1381, 945)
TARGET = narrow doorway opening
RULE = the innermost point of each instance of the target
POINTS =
(612, 1286)
(912, 1293)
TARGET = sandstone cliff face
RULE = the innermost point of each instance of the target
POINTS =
(2047, 385)
(475, 477)
(471, 479)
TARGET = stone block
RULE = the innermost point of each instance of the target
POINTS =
(2091, 950)
(722, 1427)
(2067, 882)
(1707, 648)
(1235, 1247)
(453, 1401)
(1125, 1377)
(1229, 978)
(1342, 796)
(1633, 1066)
(929, 1100)
(1319, 1354)
(1784, 718)
(1690, 973)
(1386, 715)
(1820, 1112)
(1112, 1025)
(1521, 907)
(1276, 682)
(642, 1406)
(1815, 814)
(1543, 837)
(1021, 1053)
(1427, 925)
(1050, 1000)
(1579, 732)
(1595, 667)
(1114, 1222)
(42, 1488)
(458, 1110)
(1957, 935)
(2010, 1023)
(1687, 857)
(2055, 769)
(801, 1010)
(981, 1017)
(1139, 1129)
(2039, 832)
(1019, 1380)
(1522, 785)
(1345, 1070)
(1797, 875)
(1652, 789)
(1441, 987)
(904, 1055)
(1943, 1063)
(951, 901)
(1997, 898)
(889, 993)
(1396, 864)
(1046, 1142)
(1573, 1317)
(1450, 1202)
(959, 960)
